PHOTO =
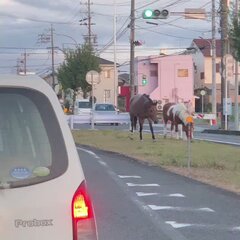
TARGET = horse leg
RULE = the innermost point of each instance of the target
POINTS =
(151, 128)
(180, 132)
(172, 126)
(176, 131)
(165, 128)
(131, 126)
(135, 123)
(140, 127)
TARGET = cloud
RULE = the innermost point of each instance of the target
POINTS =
(21, 21)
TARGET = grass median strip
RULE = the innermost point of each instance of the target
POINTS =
(212, 163)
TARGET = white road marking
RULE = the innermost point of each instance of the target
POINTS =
(143, 185)
(155, 207)
(142, 194)
(89, 152)
(236, 228)
(178, 225)
(208, 226)
(206, 209)
(176, 195)
(121, 176)
(102, 163)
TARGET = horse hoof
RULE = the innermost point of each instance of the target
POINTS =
(154, 140)
(131, 138)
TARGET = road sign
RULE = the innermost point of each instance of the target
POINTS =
(229, 66)
(189, 119)
(195, 13)
(93, 77)
(227, 106)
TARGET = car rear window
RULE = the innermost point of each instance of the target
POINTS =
(104, 107)
(84, 105)
(32, 148)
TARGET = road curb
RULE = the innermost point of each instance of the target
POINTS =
(220, 131)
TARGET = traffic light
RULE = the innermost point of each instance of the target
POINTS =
(155, 14)
(137, 43)
(144, 80)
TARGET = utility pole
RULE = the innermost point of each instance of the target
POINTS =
(25, 62)
(52, 47)
(132, 48)
(236, 113)
(115, 54)
(90, 38)
(214, 101)
(89, 23)
(224, 51)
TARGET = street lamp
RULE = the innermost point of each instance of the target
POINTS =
(60, 34)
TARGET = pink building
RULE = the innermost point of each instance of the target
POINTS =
(165, 78)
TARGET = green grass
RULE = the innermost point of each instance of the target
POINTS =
(213, 163)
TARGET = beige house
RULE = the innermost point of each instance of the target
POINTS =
(202, 59)
(106, 90)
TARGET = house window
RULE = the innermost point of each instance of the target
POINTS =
(182, 72)
(107, 73)
(153, 73)
(218, 67)
(107, 95)
(202, 75)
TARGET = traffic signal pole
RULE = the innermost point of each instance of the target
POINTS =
(132, 48)
(214, 91)
(224, 43)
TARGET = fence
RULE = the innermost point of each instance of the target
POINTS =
(98, 118)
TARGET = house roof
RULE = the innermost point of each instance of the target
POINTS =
(124, 77)
(105, 61)
(205, 46)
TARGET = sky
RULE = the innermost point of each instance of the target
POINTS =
(23, 22)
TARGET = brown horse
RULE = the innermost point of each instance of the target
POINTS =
(142, 107)
(178, 114)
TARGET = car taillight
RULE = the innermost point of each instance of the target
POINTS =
(83, 219)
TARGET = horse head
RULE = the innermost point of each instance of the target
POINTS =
(151, 110)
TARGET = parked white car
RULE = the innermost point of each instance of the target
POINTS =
(82, 106)
(43, 192)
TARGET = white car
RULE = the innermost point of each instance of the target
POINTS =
(43, 191)
(82, 106)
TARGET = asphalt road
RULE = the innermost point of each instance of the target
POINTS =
(139, 202)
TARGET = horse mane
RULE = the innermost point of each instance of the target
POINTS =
(181, 111)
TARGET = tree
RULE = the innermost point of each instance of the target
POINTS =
(234, 35)
(72, 72)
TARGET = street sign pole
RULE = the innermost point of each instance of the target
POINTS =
(92, 78)
(202, 92)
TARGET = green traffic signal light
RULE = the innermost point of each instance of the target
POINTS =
(144, 80)
(148, 13)
(155, 14)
